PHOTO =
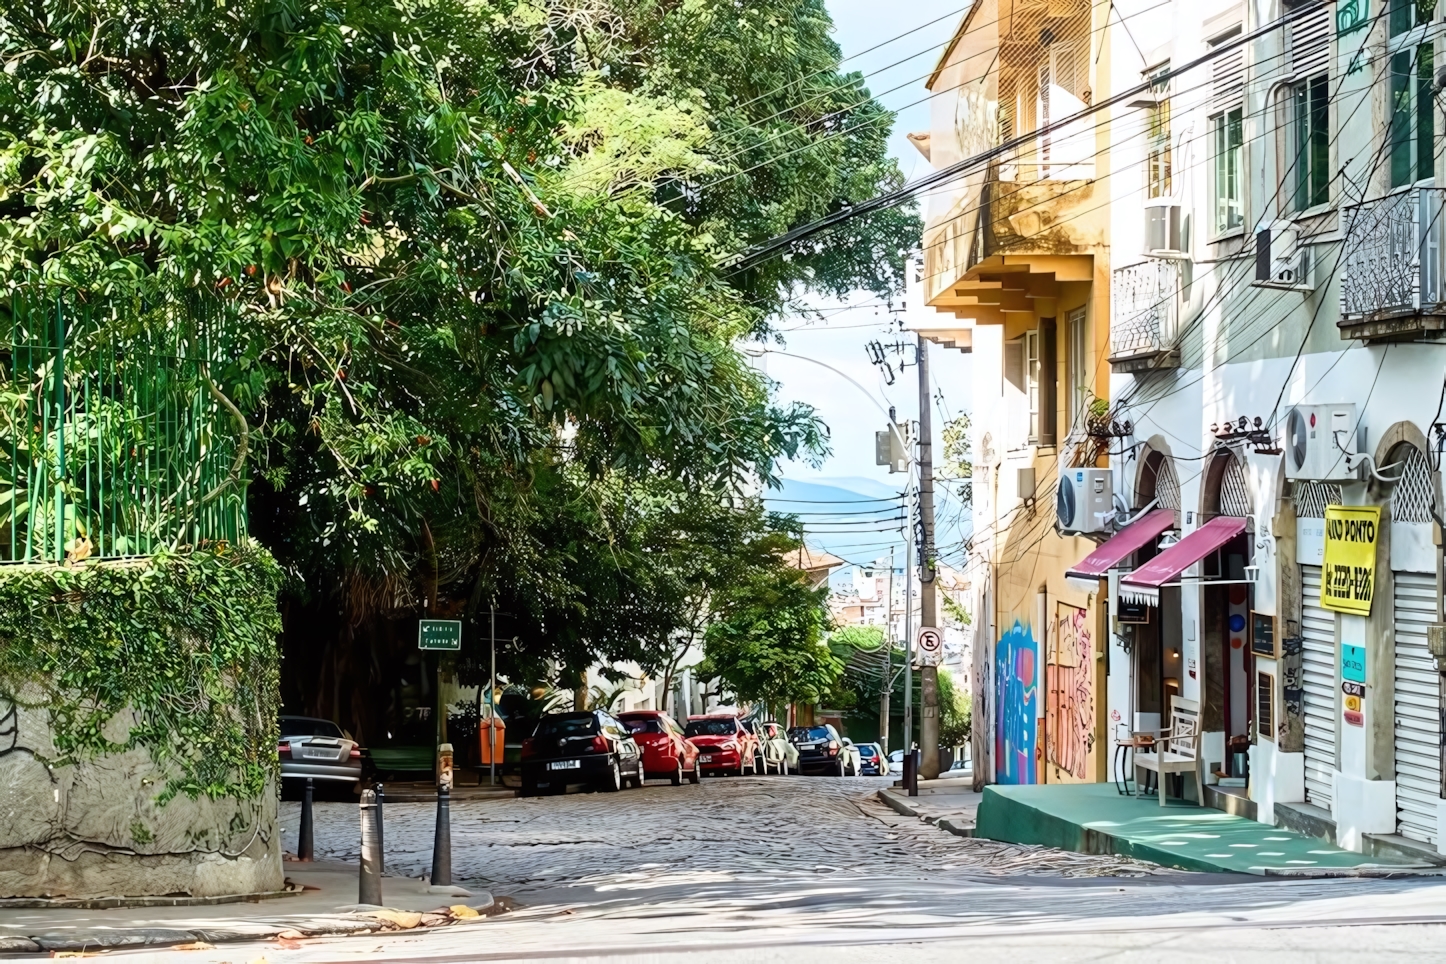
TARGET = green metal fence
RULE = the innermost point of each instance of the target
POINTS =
(113, 437)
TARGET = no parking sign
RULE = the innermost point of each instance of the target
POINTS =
(928, 646)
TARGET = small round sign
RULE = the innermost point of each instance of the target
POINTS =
(930, 641)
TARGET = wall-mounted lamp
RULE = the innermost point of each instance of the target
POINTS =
(1252, 573)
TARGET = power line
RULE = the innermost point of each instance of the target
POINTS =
(768, 249)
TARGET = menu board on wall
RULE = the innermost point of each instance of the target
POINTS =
(1262, 634)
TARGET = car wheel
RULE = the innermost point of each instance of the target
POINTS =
(613, 782)
(529, 789)
(696, 775)
(678, 775)
(640, 775)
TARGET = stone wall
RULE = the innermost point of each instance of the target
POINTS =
(95, 829)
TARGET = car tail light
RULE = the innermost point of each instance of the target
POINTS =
(356, 753)
(600, 744)
(284, 749)
(833, 744)
(527, 748)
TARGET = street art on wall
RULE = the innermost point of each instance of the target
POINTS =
(1016, 688)
(1070, 680)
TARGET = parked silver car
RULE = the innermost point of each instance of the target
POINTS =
(318, 749)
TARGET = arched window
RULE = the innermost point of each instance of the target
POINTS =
(1157, 480)
(1225, 489)
(1414, 496)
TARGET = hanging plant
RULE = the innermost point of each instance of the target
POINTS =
(184, 643)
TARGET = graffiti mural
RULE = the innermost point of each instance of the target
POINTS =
(1015, 709)
(1070, 679)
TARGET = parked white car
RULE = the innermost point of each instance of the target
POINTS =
(778, 755)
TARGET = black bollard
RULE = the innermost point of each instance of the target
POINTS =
(369, 890)
(442, 842)
(911, 772)
(381, 831)
(304, 845)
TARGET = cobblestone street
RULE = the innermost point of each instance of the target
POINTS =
(752, 828)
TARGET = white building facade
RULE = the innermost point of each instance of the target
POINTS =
(1278, 346)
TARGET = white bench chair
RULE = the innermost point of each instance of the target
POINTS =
(1177, 750)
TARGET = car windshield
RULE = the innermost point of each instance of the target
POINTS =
(711, 728)
(804, 734)
(567, 724)
(646, 724)
(292, 726)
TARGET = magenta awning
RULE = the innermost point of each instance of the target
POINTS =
(1117, 548)
(1167, 566)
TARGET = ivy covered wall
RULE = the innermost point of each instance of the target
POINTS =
(138, 705)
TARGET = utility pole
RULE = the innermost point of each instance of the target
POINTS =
(909, 617)
(888, 659)
(928, 616)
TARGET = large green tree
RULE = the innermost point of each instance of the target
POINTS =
(467, 253)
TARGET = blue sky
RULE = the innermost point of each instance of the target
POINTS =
(895, 72)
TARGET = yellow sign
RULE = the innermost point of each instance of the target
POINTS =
(1348, 582)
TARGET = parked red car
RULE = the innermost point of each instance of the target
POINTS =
(724, 744)
(666, 752)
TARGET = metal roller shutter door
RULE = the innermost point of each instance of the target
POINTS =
(1318, 631)
(1418, 709)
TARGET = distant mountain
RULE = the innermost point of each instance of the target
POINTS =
(839, 490)
(853, 518)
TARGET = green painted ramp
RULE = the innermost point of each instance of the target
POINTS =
(1093, 818)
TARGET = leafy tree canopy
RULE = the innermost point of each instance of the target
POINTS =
(467, 253)
(767, 646)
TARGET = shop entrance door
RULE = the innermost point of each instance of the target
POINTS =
(1418, 709)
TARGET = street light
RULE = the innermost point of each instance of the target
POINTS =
(758, 351)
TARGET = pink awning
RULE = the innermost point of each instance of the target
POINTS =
(1116, 549)
(1167, 566)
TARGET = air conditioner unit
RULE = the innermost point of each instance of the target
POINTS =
(1320, 442)
(1281, 261)
(1164, 235)
(1084, 503)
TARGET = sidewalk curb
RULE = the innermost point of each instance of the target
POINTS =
(901, 806)
(339, 925)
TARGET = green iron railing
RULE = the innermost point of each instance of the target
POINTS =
(114, 440)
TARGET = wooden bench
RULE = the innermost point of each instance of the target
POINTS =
(1177, 749)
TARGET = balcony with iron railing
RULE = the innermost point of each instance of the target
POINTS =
(1391, 268)
(1144, 301)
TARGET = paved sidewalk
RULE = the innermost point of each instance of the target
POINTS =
(1095, 818)
(948, 803)
(325, 904)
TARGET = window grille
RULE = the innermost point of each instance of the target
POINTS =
(1167, 485)
(1311, 499)
(1414, 496)
(1234, 496)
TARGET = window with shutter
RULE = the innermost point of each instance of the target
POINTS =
(1310, 40)
(1228, 76)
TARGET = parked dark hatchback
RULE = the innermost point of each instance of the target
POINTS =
(590, 747)
(819, 749)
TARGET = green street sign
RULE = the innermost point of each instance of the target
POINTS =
(439, 634)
